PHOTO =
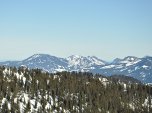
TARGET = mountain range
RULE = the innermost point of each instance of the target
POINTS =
(139, 68)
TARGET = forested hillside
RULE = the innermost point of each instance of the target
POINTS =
(25, 90)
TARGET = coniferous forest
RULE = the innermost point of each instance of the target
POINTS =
(24, 90)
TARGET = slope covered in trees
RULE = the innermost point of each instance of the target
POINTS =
(34, 91)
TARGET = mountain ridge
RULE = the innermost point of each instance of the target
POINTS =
(139, 68)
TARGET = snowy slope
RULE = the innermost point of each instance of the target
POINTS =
(53, 64)
(140, 68)
(34, 91)
(77, 62)
(45, 62)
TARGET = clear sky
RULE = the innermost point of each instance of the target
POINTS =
(103, 28)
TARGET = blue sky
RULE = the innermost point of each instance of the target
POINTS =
(103, 28)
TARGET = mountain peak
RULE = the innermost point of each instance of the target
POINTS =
(117, 60)
(78, 61)
(96, 60)
(75, 56)
(126, 60)
(40, 55)
(36, 56)
(132, 66)
(131, 58)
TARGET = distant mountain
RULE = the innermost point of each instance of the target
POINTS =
(139, 68)
(45, 62)
(129, 60)
(81, 63)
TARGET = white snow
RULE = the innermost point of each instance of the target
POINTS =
(87, 83)
(9, 106)
(24, 80)
(144, 66)
(118, 66)
(129, 71)
(55, 76)
(47, 82)
(3, 101)
(109, 66)
(33, 57)
(21, 106)
(51, 100)
(48, 106)
(131, 63)
(77, 61)
(19, 76)
(26, 98)
(125, 87)
(104, 81)
(146, 103)
(136, 68)
(60, 70)
(143, 75)
(95, 60)
(15, 100)
(131, 105)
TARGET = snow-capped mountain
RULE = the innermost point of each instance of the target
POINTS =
(77, 62)
(139, 68)
(42, 61)
(45, 62)
(54, 64)
(129, 60)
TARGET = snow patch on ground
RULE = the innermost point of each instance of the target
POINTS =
(109, 66)
(144, 66)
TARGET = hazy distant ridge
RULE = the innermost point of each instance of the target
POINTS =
(139, 68)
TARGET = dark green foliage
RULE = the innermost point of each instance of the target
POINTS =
(125, 79)
(73, 92)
